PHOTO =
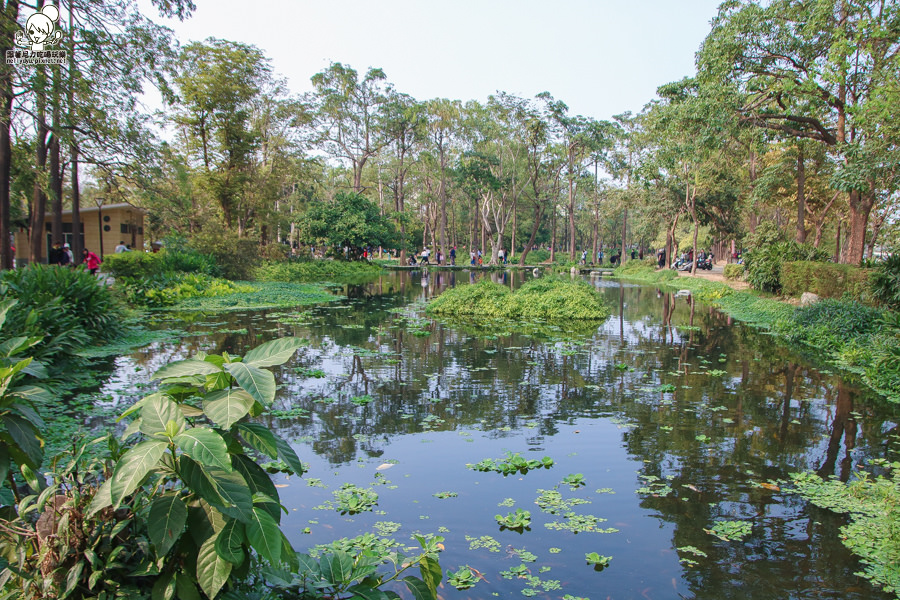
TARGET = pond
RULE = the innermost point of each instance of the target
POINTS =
(663, 423)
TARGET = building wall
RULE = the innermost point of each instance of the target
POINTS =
(120, 223)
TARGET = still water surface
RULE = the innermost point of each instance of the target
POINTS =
(676, 417)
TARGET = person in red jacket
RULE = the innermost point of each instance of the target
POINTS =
(91, 260)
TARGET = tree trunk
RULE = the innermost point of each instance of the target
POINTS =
(801, 196)
(624, 233)
(837, 243)
(571, 216)
(39, 198)
(8, 28)
(553, 236)
(55, 167)
(860, 207)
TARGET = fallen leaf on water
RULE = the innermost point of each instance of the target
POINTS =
(384, 467)
(577, 431)
(770, 486)
(693, 487)
(281, 485)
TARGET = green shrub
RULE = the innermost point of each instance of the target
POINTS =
(733, 271)
(884, 283)
(235, 256)
(166, 289)
(547, 299)
(764, 263)
(313, 270)
(645, 270)
(537, 256)
(67, 309)
(830, 324)
(824, 279)
(146, 264)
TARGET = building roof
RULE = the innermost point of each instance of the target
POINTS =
(93, 208)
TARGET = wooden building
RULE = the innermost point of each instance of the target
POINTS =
(102, 229)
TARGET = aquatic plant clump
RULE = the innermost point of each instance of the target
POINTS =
(547, 299)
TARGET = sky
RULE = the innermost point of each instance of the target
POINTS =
(600, 57)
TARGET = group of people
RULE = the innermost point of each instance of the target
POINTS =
(614, 258)
(476, 257)
(62, 255)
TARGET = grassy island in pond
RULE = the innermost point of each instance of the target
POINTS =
(549, 299)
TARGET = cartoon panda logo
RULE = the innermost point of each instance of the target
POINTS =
(40, 30)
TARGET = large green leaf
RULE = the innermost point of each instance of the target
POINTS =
(276, 352)
(133, 467)
(337, 568)
(229, 542)
(26, 438)
(234, 491)
(26, 410)
(164, 588)
(185, 588)
(431, 574)
(259, 383)
(227, 407)
(260, 438)
(288, 455)
(205, 446)
(198, 480)
(5, 305)
(165, 521)
(186, 368)
(367, 593)
(212, 569)
(419, 589)
(4, 462)
(258, 480)
(32, 393)
(264, 535)
(101, 499)
(156, 414)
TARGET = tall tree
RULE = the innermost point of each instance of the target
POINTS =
(348, 115)
(811, 69)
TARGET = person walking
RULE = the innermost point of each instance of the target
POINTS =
(453, 256)
(91, 260)
(68, 250)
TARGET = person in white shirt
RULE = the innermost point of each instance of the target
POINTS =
(121, 248)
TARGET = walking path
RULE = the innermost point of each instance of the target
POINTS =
(718, 274)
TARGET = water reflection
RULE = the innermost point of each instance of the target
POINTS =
(709, 411)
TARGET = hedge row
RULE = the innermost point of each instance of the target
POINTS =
(825, 279)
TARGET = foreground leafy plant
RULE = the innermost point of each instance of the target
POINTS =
(188, 500)
(597, 560)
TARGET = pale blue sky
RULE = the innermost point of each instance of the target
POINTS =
(601, 57)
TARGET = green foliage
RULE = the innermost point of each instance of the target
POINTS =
(520, 519)
(824, 279)
(830, 324)
(733, 271)
(146, 264)
(67, 309)
(730, 530)
(872, 505)
(598, 560)
(168, 289)
(204, 502)
(764, 263)
(338, 573)
(350, 221)
(313, 270)
(21, 441)
(548, 299)
(352, 499)
(462, 579)
(513, 463)
(258, 296)
(235, 256)
(644, 271)
(884, 282)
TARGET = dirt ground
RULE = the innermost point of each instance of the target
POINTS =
(717, 274)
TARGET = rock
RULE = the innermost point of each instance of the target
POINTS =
(808, 298)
